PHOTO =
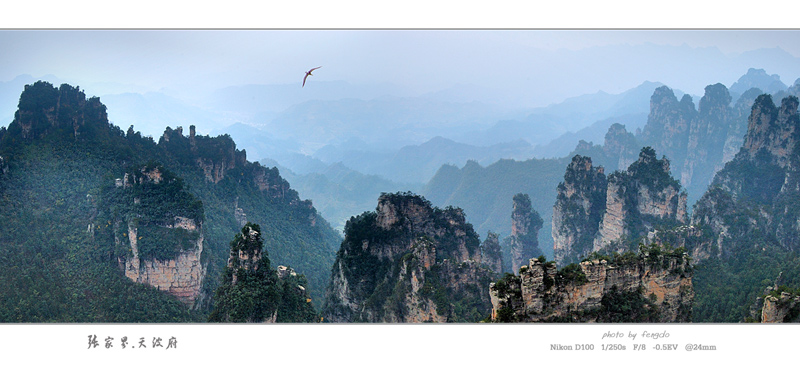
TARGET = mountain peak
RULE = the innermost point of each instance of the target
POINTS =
(758, 78)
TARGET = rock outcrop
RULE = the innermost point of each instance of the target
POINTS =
(491, 254)
(160, 238)
(655, 286)
(621, 144)
(525, 226)
(620, 148)
(777, 304)
(408, 262)
(181, 277)
(707, 136)
(735, 139)
(772, 130)
(64, 111)
(253, 291)
(638, 199)
(598, 214)
(578, 210)
(758, 191)
(781, 308)
(218, 157)
(698, 141)
(246, 253)
(669, 123)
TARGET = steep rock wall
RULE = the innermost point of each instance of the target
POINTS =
(491, 253)
(638, 199)
(408, 262)
(776, 309)
(182, 276)
(579, 206)
(543, 294)
(525, 226)
(593, 213)
(757, 191)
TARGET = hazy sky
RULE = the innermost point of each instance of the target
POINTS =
(536, 67)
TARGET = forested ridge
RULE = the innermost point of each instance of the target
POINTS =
(61, 159)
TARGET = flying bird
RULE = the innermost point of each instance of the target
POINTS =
(307, 74)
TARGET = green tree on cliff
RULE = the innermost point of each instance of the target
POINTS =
(252, 291)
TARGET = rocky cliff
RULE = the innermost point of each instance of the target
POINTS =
(622, 145)
(61, 162)
(593, 213)
(218, 157)
(778, 303)
(525, 226)
(653, 286)
(251, 290)
(756, 192)
(491, 253)
(65, 111)
(637, 200)
(771, 130)
(244, 191)
(784, 307)
(620, 148)
(181, 277)
(158, 232)
(744, 228)
(669, 123)
(707, 136)
(578, 210)
(408, 262)
(698, 141)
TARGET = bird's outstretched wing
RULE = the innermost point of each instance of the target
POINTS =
(307, 74)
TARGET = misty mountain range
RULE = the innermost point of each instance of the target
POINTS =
(390, 133)
(483, 187)
(326, 151)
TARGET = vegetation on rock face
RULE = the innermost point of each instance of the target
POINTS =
(618, 306)
(526, 223)
(551, 293)
(247, 294)
(631, 306)
(580, 204)
(658, 256)
(571, 274)
(407, 241)
(151, 207)
(650, 198)
(747, 218)
(254, 292)
(491, 254)
(652, 174)
(726, 288)
(59, 205)
(54, 268)
(507, 288)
